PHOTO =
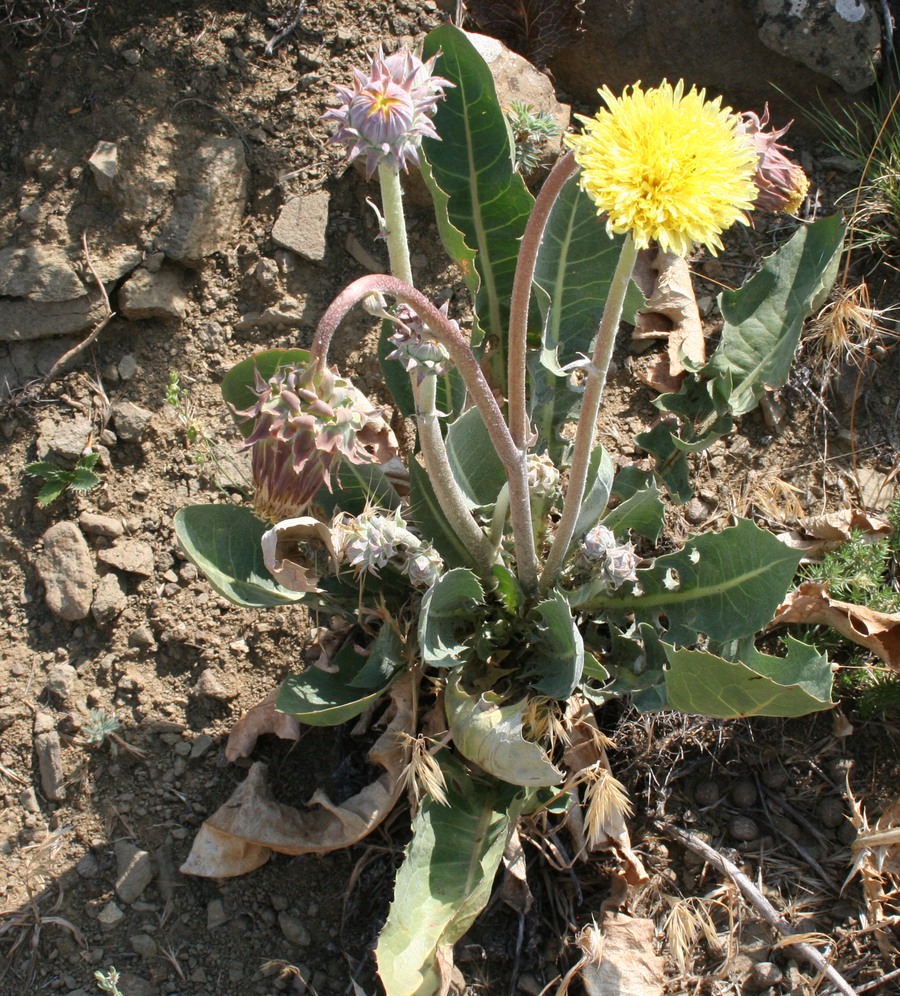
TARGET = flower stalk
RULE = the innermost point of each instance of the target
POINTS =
(394, 222)
(590, 408)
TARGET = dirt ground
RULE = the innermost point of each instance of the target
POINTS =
(178, 664)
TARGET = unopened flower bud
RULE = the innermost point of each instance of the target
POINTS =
(617, 561)
(543, 476)
(415, 348)
(387, 113)
(782, 185)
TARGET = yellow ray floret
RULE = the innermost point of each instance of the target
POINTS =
(666, 166)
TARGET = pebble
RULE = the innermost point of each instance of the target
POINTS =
(294, 929)
(215, 914)
(88, 866)
(743, 793)
(830, 812)
(775, 778)
(130, 420)
(135, 871)
(94, 524)
(743, 828)
(763, 975)
(144, 945)
(66, 567)
(110, 916)
(209, 685)
(127, 367)
(200, 746)
(110, 599)
(49, 754)
(707, 792)
(61, 681)
(131, 556)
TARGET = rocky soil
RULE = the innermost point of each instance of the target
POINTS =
(170, 158)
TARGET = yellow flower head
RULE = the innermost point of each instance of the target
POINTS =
(666, 166)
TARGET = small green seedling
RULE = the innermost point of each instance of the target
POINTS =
(531, 131)
(99, 726)
(81, 477)
(108, 982)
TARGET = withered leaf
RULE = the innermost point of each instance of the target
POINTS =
(536, 29)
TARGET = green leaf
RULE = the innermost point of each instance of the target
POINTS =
(726, 585)
(83, 479)
(473, 459)
(386, 659)
(596, 496)
(45, 469)
(508, 589)
(446, 879)
(358, 486)
(453, 603)
(224, 542)
(322, 698)
(557, 655)
(702, 683)
(764, 318)
(661, 443)
(487, 201)
(238, 384)
(490, 734)
(50, 492)
(642, 513)
(574, 270)
(426, 513)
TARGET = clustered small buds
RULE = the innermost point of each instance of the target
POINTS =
(371, 541)
(306, 420)
(782, 185)
(617, 561)
(387, 112)
(543, 476)
(415, 348)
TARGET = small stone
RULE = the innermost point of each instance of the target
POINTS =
(763, 975)
(127, 367)
(61, 681)
(65, 441)
(707, 792)
(167, 877)
(88, 866)
(743, 793)
(743, 828)
(49, 754)
(28, 801)
(94, 524)
(830, 812)
(215, 914)
(294, 929)
(143, 945)
(131, 55)
(696, 511)
(302, 224)
(135, 871)
(130, 420)
(110, 916)
(153, 295)
(110, 599)
(209, 685)
(200, 746)
(775, 778)
(104, 165)
(142, 638)
(131, 556)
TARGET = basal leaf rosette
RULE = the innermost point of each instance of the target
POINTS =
(387, 112)
(306, 421)
(666, 166)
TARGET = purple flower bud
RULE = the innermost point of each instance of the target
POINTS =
(416, 350)
(386, 113)
(782, 185)
(307, 419)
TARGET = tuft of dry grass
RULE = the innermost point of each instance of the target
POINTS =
(846, 330)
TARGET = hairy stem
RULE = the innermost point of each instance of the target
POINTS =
(521, 294)
(590, 407)
(440, 473)
(454, 342)
(395, 222)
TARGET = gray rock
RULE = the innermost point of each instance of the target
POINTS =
(88, 866)
(39, 273)
(22, 320)
(153, 295)
(294, 929)
(143, 945)
(9, 715)
(130, 556)
(142, 638)
(28, 800)
(302, 225)
(63, 440)
(763, 975)
(743, 828)
(840, 39)
(127, 367)
(719, 48)
(104, 164)
(110, 599)
(61, 681)
(49, 754)
(134, 871)
(67, 570)
(130, 420)
(210, 686)
(110, 916)
(94, 524)
(201, 745)
(208, 214)
(215, 914)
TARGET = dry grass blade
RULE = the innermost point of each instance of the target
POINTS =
(688, 920)
(423, 775)
(606, 803)
(846, 329)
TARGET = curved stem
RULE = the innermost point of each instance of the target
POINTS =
(454, 342)
(395, 222)
(562, 170)
(590, 407)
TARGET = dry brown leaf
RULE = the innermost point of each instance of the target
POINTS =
(819, 534)
(241, 835)
(263, 718)
(586, 748)
(810, 605)
(671, 313)
(628, 964)
(283, 551)
(514, 890)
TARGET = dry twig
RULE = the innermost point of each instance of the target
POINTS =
(759, 902)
